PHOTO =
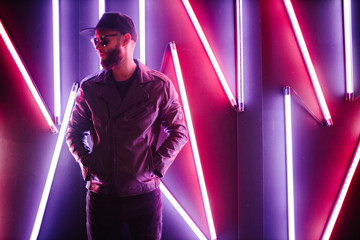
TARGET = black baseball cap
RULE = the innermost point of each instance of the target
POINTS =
(113, 21)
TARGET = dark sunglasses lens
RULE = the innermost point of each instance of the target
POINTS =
(95, 41)
(101, 41)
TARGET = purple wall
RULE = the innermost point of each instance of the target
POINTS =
(321, 154)
(242, 154)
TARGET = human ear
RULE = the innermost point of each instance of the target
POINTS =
(127, 39)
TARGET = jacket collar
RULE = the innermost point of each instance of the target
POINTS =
(135, 94)
(144, 71)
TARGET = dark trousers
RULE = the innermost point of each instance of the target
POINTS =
(108, 216)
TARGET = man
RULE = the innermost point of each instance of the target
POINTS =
(123, 107)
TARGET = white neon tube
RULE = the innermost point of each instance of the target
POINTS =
(54, 161)
(193, 140)
(182, 212)
(308, 63)
(209, 52)
(239, 55)
(21, 66)
(142, 30)
(348, 50)
(56, 56)
(342, 194)
(101, 8)
(289, 165)
(101, 5)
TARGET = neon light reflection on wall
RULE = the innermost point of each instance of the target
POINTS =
(27, 78)
(209, 52)
(193, 140)
(54, 161)
(342, 194)
(309, 65)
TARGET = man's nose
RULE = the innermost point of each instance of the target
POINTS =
(98, 46)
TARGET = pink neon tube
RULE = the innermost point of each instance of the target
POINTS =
(342, 194)
(27, 78)
(310, 67)
(209, 52)
(193, 140)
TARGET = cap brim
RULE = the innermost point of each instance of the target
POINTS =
(88, 32)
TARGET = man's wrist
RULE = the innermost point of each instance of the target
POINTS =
(157, 173)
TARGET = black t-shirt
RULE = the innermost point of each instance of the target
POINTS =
(124, 86)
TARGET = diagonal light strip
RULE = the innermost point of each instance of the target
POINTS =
(239, 54)
(209, 52)
(182, 212)
(348, 50)
(342, 194)
(289, 165)
(56, 56)
(195, 150)
(54, 161)
(27, 78)
(309, 65)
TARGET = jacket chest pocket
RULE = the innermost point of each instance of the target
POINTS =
(140, 112)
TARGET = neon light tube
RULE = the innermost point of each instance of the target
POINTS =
(342, 194)
(348, 51)
(192, 139)
(101, 8)
(182, 212)
(239, 55)
(27, 78)
(54, 161)
(310, 67)
(289, 165)
(101, 12)
(209, 52)
(56, 56)
(142, 30)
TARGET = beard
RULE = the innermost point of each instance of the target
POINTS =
(112, 59)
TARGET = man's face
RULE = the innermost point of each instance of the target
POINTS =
(110, 53)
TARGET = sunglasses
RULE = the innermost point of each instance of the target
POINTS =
(102, 39)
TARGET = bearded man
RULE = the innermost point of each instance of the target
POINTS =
(123, 107)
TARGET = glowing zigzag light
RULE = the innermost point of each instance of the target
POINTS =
(289, 165)
(310, 67)
(342, 194)
(209, 52)
(27, 78)
(54, 161)
(193, 140)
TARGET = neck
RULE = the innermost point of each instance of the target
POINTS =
(124, 70)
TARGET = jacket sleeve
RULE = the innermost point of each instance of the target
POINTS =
(173, 122)
(78, 129)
